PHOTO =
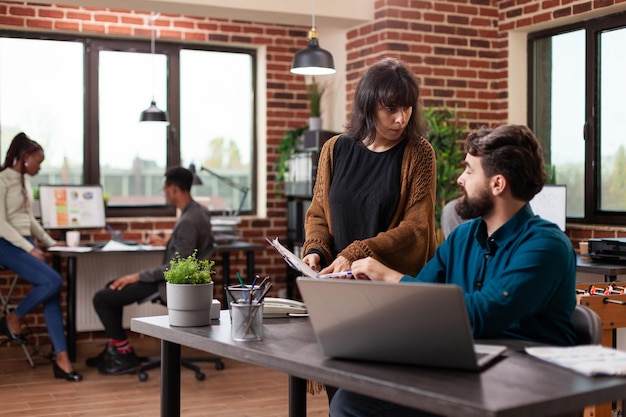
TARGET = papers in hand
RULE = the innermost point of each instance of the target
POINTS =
(586, 359)
(292, 260)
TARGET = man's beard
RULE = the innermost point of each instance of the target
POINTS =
(470, 208)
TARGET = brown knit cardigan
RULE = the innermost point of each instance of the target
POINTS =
(410, 240)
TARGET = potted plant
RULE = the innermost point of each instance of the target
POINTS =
(286, 148)
(189, 291)
(314, 93)
(446, 135)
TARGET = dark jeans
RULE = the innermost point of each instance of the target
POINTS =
(109, 305)
(46, 289)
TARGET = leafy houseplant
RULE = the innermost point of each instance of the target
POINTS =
(286, 149)
(446, 135)
(189, 290)
(314, 93)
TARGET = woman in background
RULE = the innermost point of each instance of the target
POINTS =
(19, 253)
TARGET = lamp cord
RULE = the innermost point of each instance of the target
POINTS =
(152, 18)
(313, 14)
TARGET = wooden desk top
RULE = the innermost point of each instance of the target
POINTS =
(517, 385)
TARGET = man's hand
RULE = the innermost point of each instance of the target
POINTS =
(121, 282)
(370, 268)
(340, 264)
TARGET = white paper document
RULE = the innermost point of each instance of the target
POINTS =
(291, 259)
(588, 360)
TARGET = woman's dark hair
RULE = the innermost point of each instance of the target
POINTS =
(514, 152)
(21, 148)
(180, 177)
(388, 83)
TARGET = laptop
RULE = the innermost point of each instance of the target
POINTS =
(407, 323)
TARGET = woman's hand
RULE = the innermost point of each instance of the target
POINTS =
(37, 253)
(312, 260)
(340, 264)
(370, 268)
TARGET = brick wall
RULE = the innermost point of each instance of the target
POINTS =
(457, 48)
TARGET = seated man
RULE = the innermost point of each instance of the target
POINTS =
(517, 270)
(191, 231)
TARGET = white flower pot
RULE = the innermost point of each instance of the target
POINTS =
(189, 305)
(315, 123)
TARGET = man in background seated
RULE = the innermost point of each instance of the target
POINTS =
(191, 231)
(517, 270)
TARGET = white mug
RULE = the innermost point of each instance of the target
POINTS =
(72, 238)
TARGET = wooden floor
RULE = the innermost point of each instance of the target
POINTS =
(239, 390)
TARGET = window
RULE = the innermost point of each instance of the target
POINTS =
(41, 94)
(81, 99)
(576, 85)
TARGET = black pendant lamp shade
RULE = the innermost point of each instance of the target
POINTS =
(153, 114)
(313, 60)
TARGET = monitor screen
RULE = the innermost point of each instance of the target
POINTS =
(551, 204)
(72, 206)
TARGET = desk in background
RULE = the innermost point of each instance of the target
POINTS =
(131, 261)
(609, 270)
(516, 386)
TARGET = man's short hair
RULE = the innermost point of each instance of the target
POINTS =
(180, 177)
(514, 152)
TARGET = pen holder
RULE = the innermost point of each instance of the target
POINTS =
(239, 294)
(247, 321)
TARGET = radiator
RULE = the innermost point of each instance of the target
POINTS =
(94, 270)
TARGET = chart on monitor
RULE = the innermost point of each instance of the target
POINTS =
(67, 207)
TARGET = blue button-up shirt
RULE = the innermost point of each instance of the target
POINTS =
(518, 283)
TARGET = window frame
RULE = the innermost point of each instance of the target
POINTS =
(92, 45)
(592, 174)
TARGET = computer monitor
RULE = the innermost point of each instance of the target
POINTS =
(551, 204)
(67, 207)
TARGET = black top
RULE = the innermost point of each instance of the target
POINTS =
(364, 191)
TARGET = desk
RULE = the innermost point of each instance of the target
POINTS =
(516, 386)
(71, 275)
(610, 271)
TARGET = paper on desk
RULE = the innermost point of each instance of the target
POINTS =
(291, 259)
(588, 360)
(78, 249)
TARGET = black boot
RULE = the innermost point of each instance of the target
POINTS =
(98, 360)
(117, 363)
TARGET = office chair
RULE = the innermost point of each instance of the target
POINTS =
(186, 362)
(7, 307)
(587, 325)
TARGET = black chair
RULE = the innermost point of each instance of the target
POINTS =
(7, 307)
(186, 362)
(587, 325)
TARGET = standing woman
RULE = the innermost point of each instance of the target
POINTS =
(375, 188)
(19, 253)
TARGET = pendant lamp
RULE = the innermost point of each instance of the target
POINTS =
(153, 113)
(313, 60)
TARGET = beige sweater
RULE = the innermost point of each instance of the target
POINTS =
(16, 218)
(410, 240)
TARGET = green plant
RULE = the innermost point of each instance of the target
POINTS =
(446, 135)
(189, 270)
(286, 149)
(314, 93)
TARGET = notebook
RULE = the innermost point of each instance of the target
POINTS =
(407, 323)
